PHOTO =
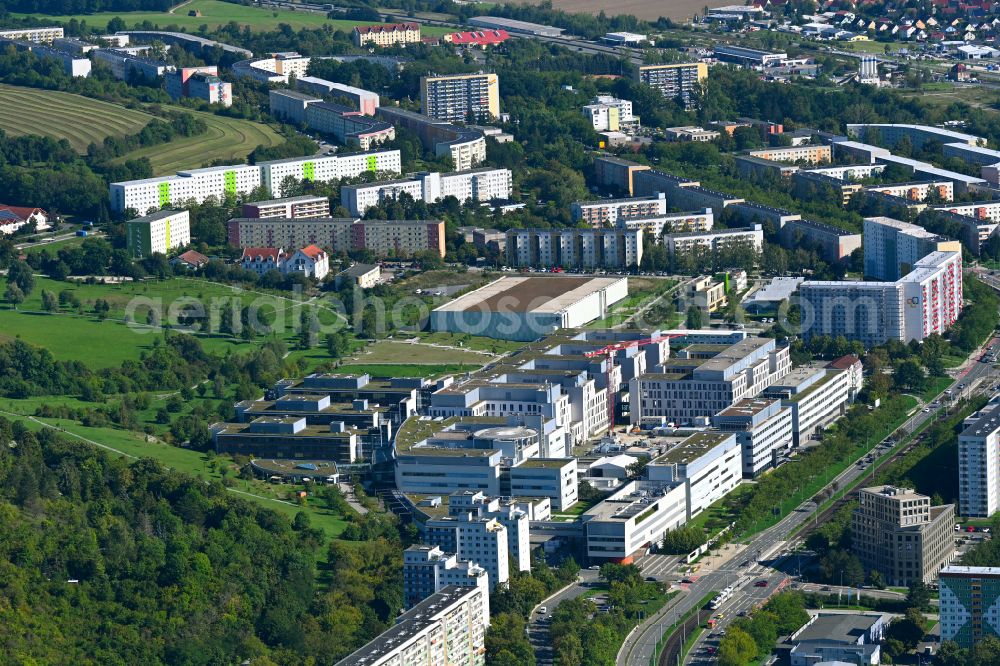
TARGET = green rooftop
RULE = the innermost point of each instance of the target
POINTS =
(415, 430)
(798, 397)
(547, 463)
(692, 448)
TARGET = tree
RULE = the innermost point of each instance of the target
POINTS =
(875, 578)
(694, 318)
(918, 595)
(949, 654)
(49, 302)
(683, 540)
(910, 375)
(14, 295)
(19, 273)
(737, 648)
(909, 629)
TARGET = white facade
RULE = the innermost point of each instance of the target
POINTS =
(713, 240)
(158, 233)
(763, 427)
(609, 212)
(979, 464)
(815, 396)
(708, 464)
(636, 516)
(200, 184)
(575, 248)
(428, 569)
(511, 513)
(311, 261)
(471, 185)
(554, 478)
(892, 247)
(657, 226)
(45, 35)
(446, 629)
(481, 540)
(889, 134)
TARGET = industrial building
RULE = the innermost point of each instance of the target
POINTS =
(515, 26)
(200, 184)
(750, 58)
(926, 300)
(676, 81)
(461, 97)
(382, 237)
(526, 308)
(430, 187)
(157, 233)
(447, 628)
(575, 248)
(897, 532)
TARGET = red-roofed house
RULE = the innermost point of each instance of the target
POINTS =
(261, 260)
(190, 260)
(13, 218)
(387, 35)
(481, 38)
(310, 260)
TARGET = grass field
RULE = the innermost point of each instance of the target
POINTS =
(79, 120)
(644, 9)
(406, 370)
(75, 336)
(229, 139)
(215, 14)
(393, 352)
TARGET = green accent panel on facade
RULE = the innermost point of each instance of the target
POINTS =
(309, 171)
(372, 163)
(164, 194)
(231, 182)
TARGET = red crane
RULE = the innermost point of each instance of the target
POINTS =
(609, 351)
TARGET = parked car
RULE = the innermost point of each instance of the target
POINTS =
(760, 583)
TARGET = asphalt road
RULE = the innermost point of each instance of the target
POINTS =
(538, 624)
(639, 647)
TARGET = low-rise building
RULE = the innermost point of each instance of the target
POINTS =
(898, 533)
(708, 464)
(386, 34)
(763, 428)
(706, 293)
(157, 233)
(13, 218)
(287, 437)
(691, 133)
(628, 522)
(310, 261)
(608, 212)
(836, 638)
(364, 276)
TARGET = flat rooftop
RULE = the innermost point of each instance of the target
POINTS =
(545, 463)
(693, 448)
(988, 421)
(627, 504)
(747, 407)
(971, 572)
(837, 627)
(417, 429)
(288, 466)
(529, 294)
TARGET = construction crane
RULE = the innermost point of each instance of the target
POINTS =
(609, 351)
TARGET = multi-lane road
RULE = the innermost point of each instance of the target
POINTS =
(639, 647)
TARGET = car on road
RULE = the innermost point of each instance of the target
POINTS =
(927, 410)
(542, 610)
(651, 579)
(760, 583)
(710, 649)
(686, 581)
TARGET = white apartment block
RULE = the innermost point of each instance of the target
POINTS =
(44, 35)
(891, 134)
(979, 463)
(461, 97)
(366, 101)
(624, 107)
(893, 247)
(978, 210)
(291, 207)
(638, 515)
(927, 300)
(158, 233)
(475, 539)
(692, 386)
(237, 179)
(471, 185)
(554, 478)
(810, 154)
(816, 398)
(575, 248)
(708, 464)
(445, 629)
(608, 212)
(714, 240)
(944, 190)
(763, 427)
(428, 570)
(511, 513)
(657, 226)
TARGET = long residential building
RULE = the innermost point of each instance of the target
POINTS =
(465, 145)
(575, 248)
(701, 382)
(811, 154)
(927, 300)
(979, 463)
(890, 134)
(461, 97)
(469, 185)
(834, 243)
(657, 226)
(382, 237)
(364, 101)
(614, 172)
(898, 533)
(74, 64)
(290, 207)
(752, 237)
(200, 184)
(124, 65)
(680, 81)
(43, 35)
(447, 628)
(893, 247)
(607, 212)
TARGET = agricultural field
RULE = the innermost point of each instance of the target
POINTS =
(79, 120)
(77, 334)
(214, 13)
(228, 139)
